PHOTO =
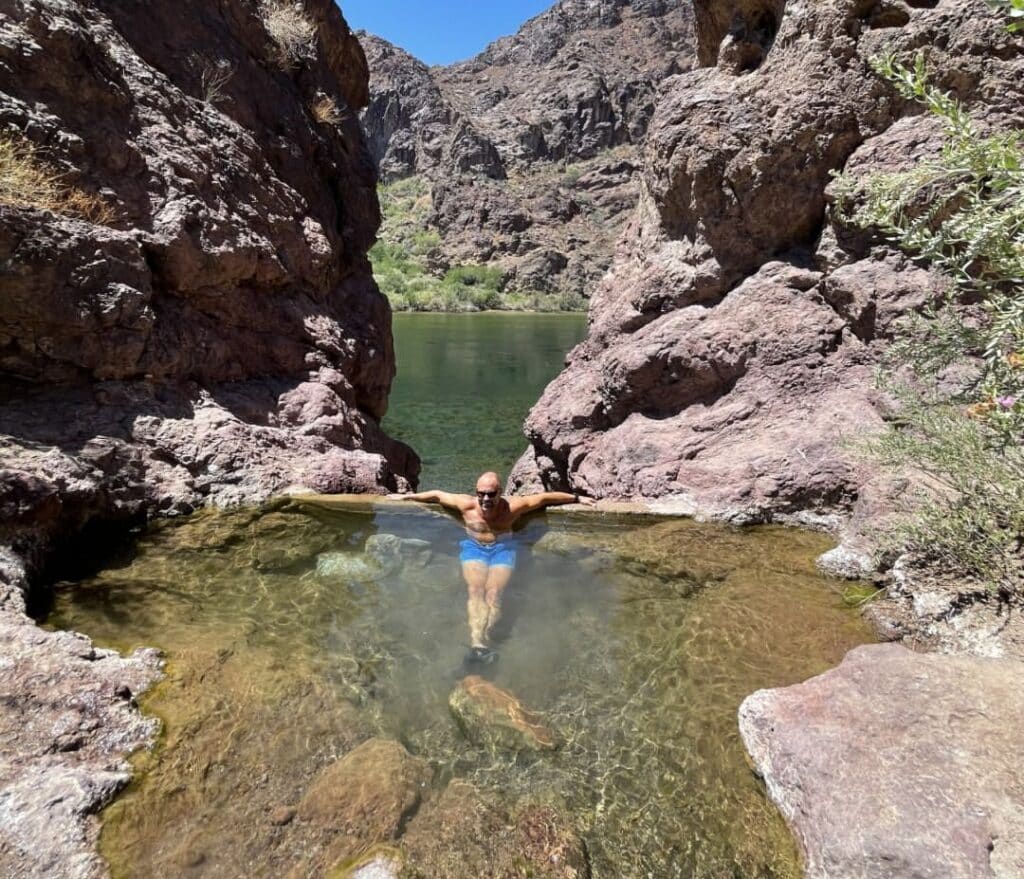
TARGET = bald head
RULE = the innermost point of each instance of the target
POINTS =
(488, 492)
(488, 481)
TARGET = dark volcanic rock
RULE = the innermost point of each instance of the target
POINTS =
(897, 765)
(732, 347)
(213, 335)
(410, 126)
(220, 337)
(558, 109)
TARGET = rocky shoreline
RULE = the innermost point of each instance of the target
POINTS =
(69, 721)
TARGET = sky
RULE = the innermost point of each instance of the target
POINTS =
(441, 31)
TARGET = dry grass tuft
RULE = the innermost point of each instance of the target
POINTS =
(325, 110)
(28, 182)
(214, 78)
(292, 31)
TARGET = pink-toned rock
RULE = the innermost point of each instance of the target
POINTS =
(898, 765)
(495, 718)
(68, 721)
(732, 348)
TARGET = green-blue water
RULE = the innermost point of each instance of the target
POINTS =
(634, 638)
(465, 383)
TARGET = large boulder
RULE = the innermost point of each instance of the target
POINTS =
(898, 765)
(732, 348)
(213, 331)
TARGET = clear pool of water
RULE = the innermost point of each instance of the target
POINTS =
(465, 383)
(636, 638)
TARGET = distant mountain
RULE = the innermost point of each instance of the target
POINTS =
(529, 148)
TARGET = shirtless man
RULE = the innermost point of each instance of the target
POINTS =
(488, 554)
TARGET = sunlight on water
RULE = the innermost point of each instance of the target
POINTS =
(635, 637)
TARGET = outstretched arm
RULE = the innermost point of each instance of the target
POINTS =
(546, 499)
(444, 498)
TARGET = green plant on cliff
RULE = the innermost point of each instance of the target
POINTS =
(408, 268)
(1013, 10)
(961, 362)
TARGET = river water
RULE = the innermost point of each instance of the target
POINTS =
(465, 383)
(635, 638)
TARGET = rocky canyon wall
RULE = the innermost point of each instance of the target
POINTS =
(530, 148)
(729, 364)
(217, 334)
(187, 317)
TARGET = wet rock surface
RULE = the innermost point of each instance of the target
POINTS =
(68, 722)
(897, 764)
(531, 146)
(494, 718)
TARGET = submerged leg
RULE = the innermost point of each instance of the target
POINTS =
(475, 575)
(497, 579)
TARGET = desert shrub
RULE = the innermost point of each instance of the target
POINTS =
(1013, 10)
(325, 110)
(28, 181)
(292, 31)
(214, 77)
(963, 213)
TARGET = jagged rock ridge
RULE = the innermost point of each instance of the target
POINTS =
(530, 146)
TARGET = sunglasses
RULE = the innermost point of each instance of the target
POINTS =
(487, 494)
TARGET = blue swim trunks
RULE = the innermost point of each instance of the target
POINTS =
(501, 552)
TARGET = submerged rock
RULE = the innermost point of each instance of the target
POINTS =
(898, 765)
(368, 793)
(392, 552)
(464, 832)
(494, 718)
(345, 566)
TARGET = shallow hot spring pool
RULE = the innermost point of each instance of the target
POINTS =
(288, 644)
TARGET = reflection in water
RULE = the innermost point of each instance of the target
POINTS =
(465, 383)
(636, 638)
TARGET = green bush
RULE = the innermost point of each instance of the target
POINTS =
(963, 213)
(403, 257)
(1013, 10)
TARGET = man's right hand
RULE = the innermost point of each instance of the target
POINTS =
(396, 497)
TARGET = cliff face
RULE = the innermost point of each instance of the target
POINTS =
(731, 351)
(218, 335)
(212, 334)
(530, 147)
